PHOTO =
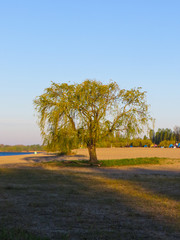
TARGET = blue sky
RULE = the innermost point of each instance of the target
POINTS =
(133, 42)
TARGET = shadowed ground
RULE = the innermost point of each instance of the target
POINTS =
(92, 203)
(132, 202)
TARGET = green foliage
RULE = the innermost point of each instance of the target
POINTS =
(65, 141)
(20, 148)
(152, 135)
(177, 133)
(166, 143)
(124, 142)
(164, 134)
(140, 142)
(129, 162)
(86, 113)
(113, 141)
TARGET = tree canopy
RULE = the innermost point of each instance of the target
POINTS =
(88, 112)
(165, 134)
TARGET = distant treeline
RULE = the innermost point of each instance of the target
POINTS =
(162, 138)
(21, 148)
(165, 135)
(116, 141)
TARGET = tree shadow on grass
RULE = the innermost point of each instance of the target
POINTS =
(39, 159)
(164, 182)
(80, 204)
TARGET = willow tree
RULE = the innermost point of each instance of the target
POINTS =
(89, 111)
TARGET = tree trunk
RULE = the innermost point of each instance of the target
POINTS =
(92, 154)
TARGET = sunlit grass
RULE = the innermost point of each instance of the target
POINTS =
(155, 204)
(130, 162)
(105, 163)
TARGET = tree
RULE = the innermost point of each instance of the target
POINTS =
(177, 133)
(152, 135)
(89, 112)
(164, 134)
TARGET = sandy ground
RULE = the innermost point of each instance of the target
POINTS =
(102, 153)
(119, 153)
(19, 159)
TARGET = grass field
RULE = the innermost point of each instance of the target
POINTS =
(104, 163)
(126, 202)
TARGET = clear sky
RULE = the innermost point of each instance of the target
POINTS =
(133, 42)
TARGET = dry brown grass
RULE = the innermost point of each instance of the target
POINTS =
(91, 203)
(137, 202)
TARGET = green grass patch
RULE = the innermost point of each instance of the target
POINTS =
(18, 234)
(130, 162)
(105, 163)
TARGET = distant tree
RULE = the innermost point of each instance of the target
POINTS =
(152, 135)
(177, 133)
(89, 112)
(164, 134)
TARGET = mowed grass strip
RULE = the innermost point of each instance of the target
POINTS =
(130, 162)
(105, 163)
